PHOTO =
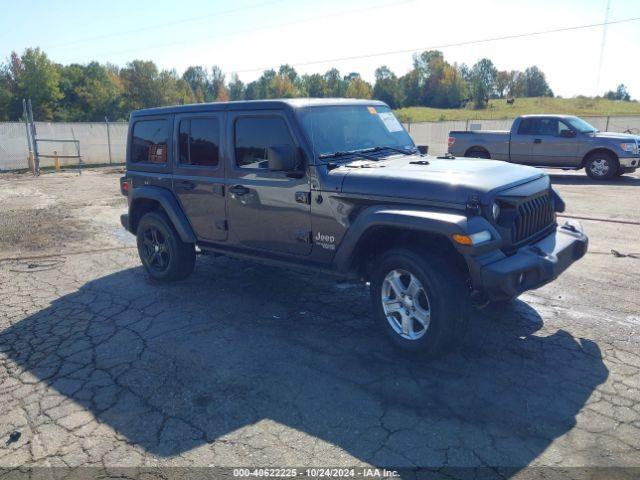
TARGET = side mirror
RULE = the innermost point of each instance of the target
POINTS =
(423, 149)
(567, 133)
(282, 158)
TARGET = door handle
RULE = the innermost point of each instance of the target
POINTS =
(239, 190)
(187, 185)
(537, 140)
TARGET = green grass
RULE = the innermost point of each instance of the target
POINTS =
(497, 109)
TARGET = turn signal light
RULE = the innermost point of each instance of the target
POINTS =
(473, 239)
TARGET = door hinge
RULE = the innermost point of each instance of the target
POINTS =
(303, 236)
(222, 225)
(303, 197)
(218, 189)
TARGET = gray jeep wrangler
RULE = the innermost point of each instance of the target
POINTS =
(339, 186)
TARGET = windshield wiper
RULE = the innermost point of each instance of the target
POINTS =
(395, 149)
(356, 153)
(363, 152)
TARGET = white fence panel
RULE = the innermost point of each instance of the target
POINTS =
(94, 145)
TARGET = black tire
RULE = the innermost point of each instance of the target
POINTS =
(478, 153)
(601, 166)
(446, 293)
(163, 254)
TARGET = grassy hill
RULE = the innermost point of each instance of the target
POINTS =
(581, 106)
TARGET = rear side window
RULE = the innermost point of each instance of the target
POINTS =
(526, 127)
(199, 142)
(254, 135)
(149, 142)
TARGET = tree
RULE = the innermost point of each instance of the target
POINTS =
(387, 87)
(314, 85)
(536, 83)
(197, 79)
(621, 93)
(216, 89)
(335, 85)
(236, 88)
(503, 78)
(483, 80)
(358, 88)
(36, 77)
(91, 92)
(5, 93)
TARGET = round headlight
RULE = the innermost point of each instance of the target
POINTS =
(496, 211)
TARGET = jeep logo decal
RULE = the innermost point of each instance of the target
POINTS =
(325, 241)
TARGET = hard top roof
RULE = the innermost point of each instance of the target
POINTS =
(294, 103)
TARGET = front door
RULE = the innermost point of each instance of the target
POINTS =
(550, 148)
(199, 173)
(266, 210)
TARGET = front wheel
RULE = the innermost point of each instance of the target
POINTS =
(420, 300)
(601, 166)
(164, 255)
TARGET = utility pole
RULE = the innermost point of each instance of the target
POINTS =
(602, 45)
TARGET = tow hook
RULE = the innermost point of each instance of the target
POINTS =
(571, 228)
(538, 251)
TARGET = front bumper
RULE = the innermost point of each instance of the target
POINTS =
(629, 164)
(535, 265)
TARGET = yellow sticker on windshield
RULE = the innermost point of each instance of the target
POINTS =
(372, 110)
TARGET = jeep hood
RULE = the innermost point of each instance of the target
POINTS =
(440, 180)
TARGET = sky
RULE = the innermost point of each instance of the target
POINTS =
(247, 36)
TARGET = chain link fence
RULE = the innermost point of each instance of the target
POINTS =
(95, 142)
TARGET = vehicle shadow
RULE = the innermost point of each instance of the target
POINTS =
(174, 367)
(624, 180)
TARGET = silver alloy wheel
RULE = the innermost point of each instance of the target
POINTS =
(405, 304)
(599, 167)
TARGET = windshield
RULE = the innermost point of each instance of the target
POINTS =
(353, 127)
(580, 125)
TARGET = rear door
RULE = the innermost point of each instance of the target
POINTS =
(198, 180)
(267, 210)
(521, 143)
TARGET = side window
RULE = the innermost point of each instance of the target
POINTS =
(548, 126)
(526, 127)
(199, 142)
(254, 135)
(149, 142)
(561, 127)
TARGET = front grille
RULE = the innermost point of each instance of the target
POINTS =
(532, 216)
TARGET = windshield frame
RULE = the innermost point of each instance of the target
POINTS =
(328, 157)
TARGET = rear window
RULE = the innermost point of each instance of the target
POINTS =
(149, 141)
(199, 141)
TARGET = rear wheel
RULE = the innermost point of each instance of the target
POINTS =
(420, 300)
(164, 255)
(478, 153)
(601, 166)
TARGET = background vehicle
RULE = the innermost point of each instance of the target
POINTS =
(338, 186)
(558, 141)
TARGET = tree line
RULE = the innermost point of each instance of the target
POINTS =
(92, 91)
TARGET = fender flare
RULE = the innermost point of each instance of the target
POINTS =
(427, 221)
(169, 204)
